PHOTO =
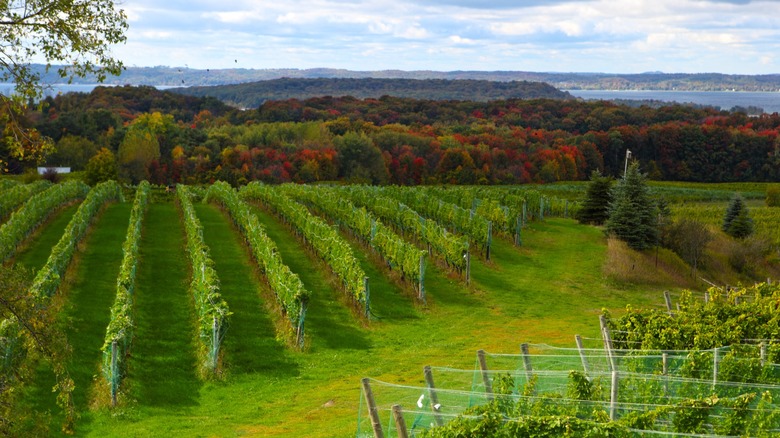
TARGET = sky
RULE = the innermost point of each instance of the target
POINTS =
(616, 36)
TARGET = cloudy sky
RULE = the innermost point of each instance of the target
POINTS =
(616, 36)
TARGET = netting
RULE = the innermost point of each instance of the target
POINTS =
(724, 392)
(423, 408)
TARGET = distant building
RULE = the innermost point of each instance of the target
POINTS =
(42, 170)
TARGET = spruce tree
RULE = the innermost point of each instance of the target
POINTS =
(737, 221)
(632, 213)
(595, 208)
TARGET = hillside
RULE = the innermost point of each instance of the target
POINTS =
(186, 77)
(254, 94)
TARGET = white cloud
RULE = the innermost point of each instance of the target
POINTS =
(560, 35)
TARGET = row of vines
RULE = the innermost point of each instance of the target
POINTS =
(397, 253)
(285, 284)
(323, 239)
(34, 212)
(212, 311)
(119, 333)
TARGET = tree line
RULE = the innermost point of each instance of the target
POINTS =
(169, 138)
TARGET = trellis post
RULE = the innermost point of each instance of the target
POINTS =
(578, 339)
(400, 423)
(433, 395)
(485, 376)
(376, 424)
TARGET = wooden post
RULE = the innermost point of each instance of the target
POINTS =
(665, 371)
(214, 344)
(613, 396)
(368, 298)
(468, 267)
(433, 396)
(526, 362)
(299, 331)
(518, 225)
(715, 365)
(607, 342)
(376, 423)
(706, 297)
(668, 300)
(566, 209)
(114, 377)
(485, 377)
(525, 212)
(400, 423)
(421, 286)
(584, 358)
(763, 353)
(489, 234)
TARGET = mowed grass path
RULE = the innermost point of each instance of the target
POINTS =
(36, 250)
(162, 365)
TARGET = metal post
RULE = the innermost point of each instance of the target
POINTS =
(376, 423)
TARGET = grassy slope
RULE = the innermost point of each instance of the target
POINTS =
(546, 291)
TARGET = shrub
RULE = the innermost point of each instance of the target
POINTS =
(773, 195)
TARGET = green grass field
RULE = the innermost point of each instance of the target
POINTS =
(546, 291)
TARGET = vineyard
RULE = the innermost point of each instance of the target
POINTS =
(257, 311)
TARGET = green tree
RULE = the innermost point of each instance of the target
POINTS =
(689, 238)
(737, 221)
(73, 151)
(74, 34)
(595, 207)
(136, 152)
(360, 160)
(101, 167)
(632, 213)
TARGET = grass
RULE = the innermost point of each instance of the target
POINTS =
(546, 291)
(36, 250)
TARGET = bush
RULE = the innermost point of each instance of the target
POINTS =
(773, 195)
(51, 175)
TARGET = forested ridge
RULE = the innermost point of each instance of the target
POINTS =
(253, 94)
(402, 140)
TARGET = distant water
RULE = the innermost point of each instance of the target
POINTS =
(726, 100)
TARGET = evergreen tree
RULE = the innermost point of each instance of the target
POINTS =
(633, 214)
(737, 221)
(595, 208)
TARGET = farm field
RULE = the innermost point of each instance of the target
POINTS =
(544, 291)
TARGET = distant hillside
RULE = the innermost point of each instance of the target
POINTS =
(253, 94)
(187, 77)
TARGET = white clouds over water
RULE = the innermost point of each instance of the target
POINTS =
(625, 36)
